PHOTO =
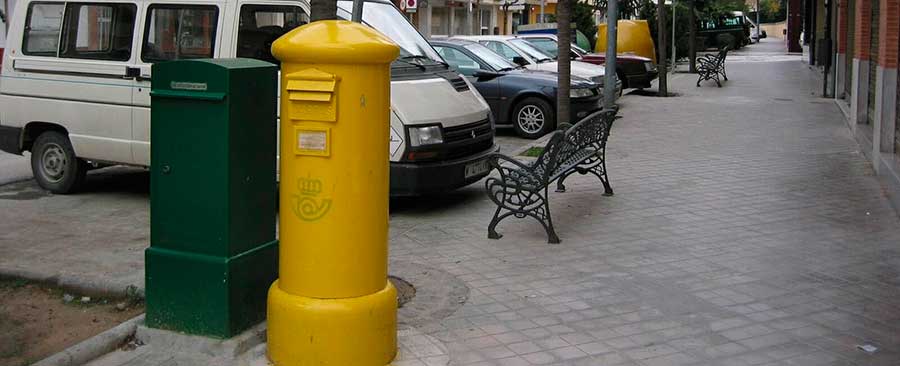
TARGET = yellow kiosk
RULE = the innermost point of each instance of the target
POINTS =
(633, 37)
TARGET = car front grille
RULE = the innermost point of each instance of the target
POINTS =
(468, 139)
(460, 141)
(467, 132)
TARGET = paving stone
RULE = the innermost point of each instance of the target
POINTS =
(539, 358)
(649, 352)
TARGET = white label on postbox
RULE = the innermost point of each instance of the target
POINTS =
(185, 85)
(312, 140)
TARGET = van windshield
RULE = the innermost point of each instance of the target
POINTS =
(388, 20)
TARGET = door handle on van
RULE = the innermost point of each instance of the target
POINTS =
(134, 73)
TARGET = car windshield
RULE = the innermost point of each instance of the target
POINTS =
(387, 19)
(548, 45)
(490, 57)
(535, 53)
(580, 51)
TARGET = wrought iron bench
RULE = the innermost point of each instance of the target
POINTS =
(521, 189)
(710, 66)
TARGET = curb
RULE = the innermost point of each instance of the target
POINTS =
(228, 349)
(72, 282)
(95, 346)
(539, 142)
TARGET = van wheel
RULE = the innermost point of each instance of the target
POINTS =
(54, 164)
(533, 118)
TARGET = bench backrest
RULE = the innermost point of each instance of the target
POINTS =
(591, 132)
(547, 162)
(720, 58)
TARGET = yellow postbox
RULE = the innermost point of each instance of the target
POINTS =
(333, 304)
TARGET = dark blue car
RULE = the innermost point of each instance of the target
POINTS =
(525, 99)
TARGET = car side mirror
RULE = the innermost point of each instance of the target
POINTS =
(484, 74)
(519, 60)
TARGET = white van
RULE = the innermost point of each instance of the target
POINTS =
(75, 84)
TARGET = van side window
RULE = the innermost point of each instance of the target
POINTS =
(179, 31)
(98, 31)
(42, 27)
(260, 25)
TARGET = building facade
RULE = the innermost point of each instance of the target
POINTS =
(468, 17)
(863, 79)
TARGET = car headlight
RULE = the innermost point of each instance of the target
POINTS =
(649, 66)
(428, 135)
(580, 93)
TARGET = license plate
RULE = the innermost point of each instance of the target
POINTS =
(476, 168)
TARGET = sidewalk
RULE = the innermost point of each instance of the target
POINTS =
(746, 229)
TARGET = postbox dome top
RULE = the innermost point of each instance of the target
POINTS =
(335, 41)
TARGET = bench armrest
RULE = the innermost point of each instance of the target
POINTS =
(510, 173)
(707, 62)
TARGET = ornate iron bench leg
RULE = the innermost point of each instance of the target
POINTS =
(560, 186)
(604, 178)
(601, 174)
(492, 233)
(552, 238)
(725, 76)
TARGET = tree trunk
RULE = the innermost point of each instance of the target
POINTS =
(692, 42)
(661, 36)
(564, 66)
(322, 10)
(609, 82)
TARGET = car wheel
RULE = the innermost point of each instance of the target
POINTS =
(54, 164)
(533, 118)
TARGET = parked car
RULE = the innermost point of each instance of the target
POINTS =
(634, 71)
(755, 30)
(730, 30)
(525, 99)
(77, 105)
(520, 52)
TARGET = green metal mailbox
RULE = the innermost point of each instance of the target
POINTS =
(213, 252)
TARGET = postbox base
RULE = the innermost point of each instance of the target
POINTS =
(359, 331)
(207, 295)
